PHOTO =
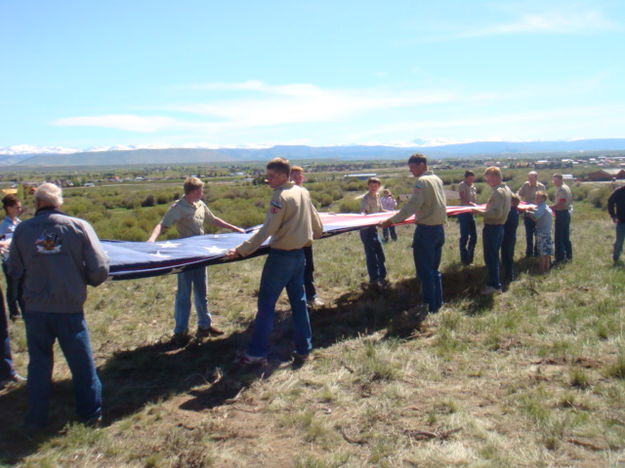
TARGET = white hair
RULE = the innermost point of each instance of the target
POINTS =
(49, 195)
(532, 173)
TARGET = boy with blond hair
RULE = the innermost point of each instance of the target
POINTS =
(189, 215)
(495, 216)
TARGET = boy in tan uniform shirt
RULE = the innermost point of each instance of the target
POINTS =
(495, 215)
(527, 194)
(428, 204)
(562, 208)
(374, 252)
(189, 215)
(292, 222)
(468, 232)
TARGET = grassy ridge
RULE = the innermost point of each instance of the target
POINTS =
(532, 377)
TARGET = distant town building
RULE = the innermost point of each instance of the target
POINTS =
(607, 174)
(361, 176)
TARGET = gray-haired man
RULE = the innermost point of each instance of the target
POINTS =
(57, 256)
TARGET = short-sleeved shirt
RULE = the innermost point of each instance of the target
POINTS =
(428, 202)
(543, 217)
(468, 193)
(498, 205)
(7, 227)
(370, 203)
(527, 192)
(189, 218)
(388, 202)
(563, 193)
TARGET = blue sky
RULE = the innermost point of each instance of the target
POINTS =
(87, 74)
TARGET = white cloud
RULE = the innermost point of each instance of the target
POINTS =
(301, 103)
(258, 111)
(568, 20)
(563, 23)
(270, 106)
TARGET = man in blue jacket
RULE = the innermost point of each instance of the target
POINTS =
(57, 256)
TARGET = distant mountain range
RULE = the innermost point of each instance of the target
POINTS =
(49, 157)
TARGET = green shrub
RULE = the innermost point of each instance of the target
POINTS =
(349, 205)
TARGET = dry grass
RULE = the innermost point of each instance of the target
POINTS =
(533, 377)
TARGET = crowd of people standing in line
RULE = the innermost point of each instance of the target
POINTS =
(53, 257)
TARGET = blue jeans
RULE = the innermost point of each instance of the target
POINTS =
(427, 248)
(374, 254)
(492, 237)
(389, 230)
(562, 240)
(468, 237)
(14, 293)
(283, 268)
(191, 279)
(309, 279)
(6, 361)
(530, 230)
(42, 329)
(618, 243)
(507, 255)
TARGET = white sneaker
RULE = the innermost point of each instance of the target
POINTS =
(489, 290)
(316, 302)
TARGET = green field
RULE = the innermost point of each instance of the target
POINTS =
(532, 377)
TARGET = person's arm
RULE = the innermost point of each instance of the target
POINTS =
(15, 265)
(272, 223)
(155, 233)
(96, 261)
(486, 208)
(317, 225)
(223, 224)
(535, 213)
(4, 228)
(410, 208)
(171, 217)
(560, 201)
(211, 218)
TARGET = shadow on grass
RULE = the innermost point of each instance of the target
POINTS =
(153, 372)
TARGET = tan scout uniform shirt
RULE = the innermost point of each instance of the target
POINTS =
(188, 218)
(468, 193)
(527, 193)
(292, 221)
(564, 193)
(428, 202)
(498, 205)
(370, 203)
